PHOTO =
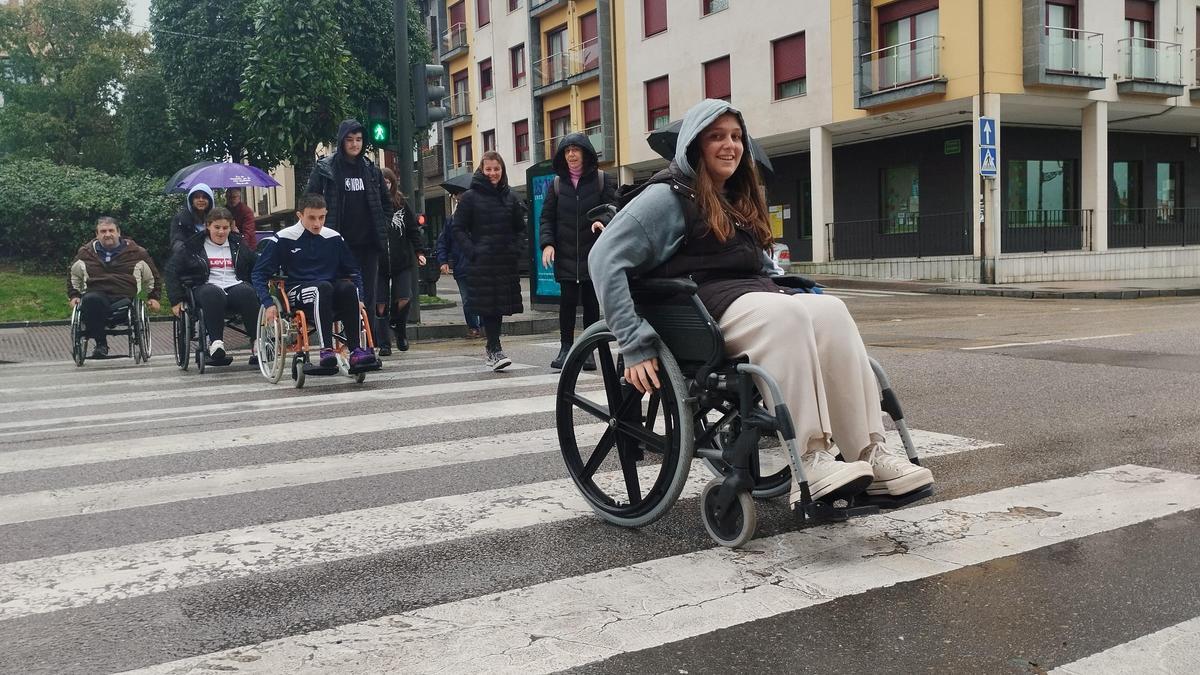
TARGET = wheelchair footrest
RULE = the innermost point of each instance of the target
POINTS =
(210, 361)
(824, 512)
(317, 370)
(354, 370)
(890, 502)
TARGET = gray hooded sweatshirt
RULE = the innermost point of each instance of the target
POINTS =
(646, 233)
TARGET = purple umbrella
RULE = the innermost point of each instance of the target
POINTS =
(224, 175)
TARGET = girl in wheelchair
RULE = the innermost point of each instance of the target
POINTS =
(705, 217)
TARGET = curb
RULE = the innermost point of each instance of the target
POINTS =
(428, 331)
(159, 319)
(1131, 294)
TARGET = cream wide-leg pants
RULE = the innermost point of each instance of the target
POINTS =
(810, 344)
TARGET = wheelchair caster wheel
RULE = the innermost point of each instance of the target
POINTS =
(736, 525)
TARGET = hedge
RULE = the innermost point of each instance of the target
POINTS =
(47, 211)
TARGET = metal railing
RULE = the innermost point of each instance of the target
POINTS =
(1046, 230)
(574, 61)
(459, 169)
(595, 137)
(454, 37)
(1161, 226)
(901, 65)
(1150, 60)
(1073, 51)
(458, 104)
(908, 235)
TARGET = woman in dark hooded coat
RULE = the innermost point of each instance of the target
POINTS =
(567, 234)
(487, 226)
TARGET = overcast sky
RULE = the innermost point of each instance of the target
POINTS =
(139, 12)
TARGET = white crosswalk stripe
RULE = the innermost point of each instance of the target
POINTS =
(440, 420)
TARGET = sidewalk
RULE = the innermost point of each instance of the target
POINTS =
(445, 323)
(1124, 289)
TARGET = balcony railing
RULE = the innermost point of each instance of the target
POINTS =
(1149, 60)
(1045, 230)
(459, 169)
(575, 61)
(1075, 52)
(907, 235)
(901, 65)
(1162, 226)
(595, 137)
(454, 37)
(458, 104)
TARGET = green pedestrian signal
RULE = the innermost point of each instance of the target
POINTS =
(379, 124)
(379, 132)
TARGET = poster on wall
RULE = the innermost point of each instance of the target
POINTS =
(543, 289)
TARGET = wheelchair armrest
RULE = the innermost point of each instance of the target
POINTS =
(795, 281)
(663, 286)
(602, 213)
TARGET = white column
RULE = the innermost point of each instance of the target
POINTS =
(820, 162)
(987, 241)
(1094, 169)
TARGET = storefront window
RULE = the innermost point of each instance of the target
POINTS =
(1041, 185)
(901, 199)
(1126, 191)
(1167, 179)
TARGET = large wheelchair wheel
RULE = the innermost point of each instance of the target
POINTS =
(270, 344)
(78, 341)
(201, 343)
(139, 326)
(181, 338)
(652, 434)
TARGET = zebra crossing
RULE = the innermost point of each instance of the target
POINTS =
(164, 522)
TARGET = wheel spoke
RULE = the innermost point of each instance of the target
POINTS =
(587, 406)
(652, 408)
(653, 441)
(612, 378)
(603, 447)
(629, 469)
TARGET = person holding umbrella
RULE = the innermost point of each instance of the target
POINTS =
(567, 234)
(236, 203)
(191, 218)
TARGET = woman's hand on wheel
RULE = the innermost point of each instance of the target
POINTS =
(644, 375)
(177, 308)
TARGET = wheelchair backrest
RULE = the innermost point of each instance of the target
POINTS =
(686, 329)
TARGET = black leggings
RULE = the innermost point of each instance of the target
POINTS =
(491, 328)
(217, 304)
(572, 293)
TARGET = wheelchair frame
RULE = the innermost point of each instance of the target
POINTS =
(288, 335)
(135, 325)
(699, 383)
(189, 337)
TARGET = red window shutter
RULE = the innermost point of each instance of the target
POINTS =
(591, 112)
(654, 16)
(1139, 10)
(658, 93)
(716, 78)
(483, 12)
(788, 57)
(588, 28)
(458, 13)
(903, 8)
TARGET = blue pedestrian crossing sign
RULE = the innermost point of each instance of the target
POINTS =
(987, 162)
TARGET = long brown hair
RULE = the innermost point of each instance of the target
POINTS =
(745, 204)
(492, 155)
(394, 193)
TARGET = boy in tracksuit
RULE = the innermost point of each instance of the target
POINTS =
(316, 261)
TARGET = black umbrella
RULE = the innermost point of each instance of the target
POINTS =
(184, 173)
(458, 184)
(663, 142)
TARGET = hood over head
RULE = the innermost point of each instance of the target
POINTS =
(201, 187)
(695, 120)
(348, 127)
(590, 158)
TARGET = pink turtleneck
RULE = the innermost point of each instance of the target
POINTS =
(575, 175)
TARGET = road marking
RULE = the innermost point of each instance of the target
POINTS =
(1175, 649)
(1046, 342)
(222, 438)
(58, 503)
(579, 620)
(866, 292)
(279, 404)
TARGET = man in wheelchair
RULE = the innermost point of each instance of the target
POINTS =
(322, 278)
(105, 274)
(212, 269)
(705, 217)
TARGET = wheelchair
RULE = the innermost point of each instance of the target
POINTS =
(707, 407)
(287, 336)
(189, 338)
(128, 317)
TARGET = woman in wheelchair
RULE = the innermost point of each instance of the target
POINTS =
(214, 266)
(705, 217)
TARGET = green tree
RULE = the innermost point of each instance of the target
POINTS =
(66, 65)
(149, 131)
(203, 47)
(294, 88)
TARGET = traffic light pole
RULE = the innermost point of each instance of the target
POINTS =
(404, 132)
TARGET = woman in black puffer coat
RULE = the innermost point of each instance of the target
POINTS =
(567, 234)
(487, 226)
(403, 244)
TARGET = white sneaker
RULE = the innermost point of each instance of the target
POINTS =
(895, 474)
(217, 350)
(830, 478)
(499, 361)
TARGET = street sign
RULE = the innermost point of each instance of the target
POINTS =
(987, 162)
(987, 132)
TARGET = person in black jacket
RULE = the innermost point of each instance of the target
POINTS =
(403, 243)
(216, 264)
(487, 226)
(191, 219)
(356, 199)
(567, 234)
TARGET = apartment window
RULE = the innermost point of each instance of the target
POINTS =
(521, 140)
(458, 14)
(489, 139)
(900, 198)
(1139, 19)
(654, 17)
(485, 79)
(1040, 185)
(462, 152)
(560, 123)
(459, 94)
(591, 115)
(658, 103)
(514, 5)
(516, 59)
(716, 79)
(1063, 39)
(589, 42)
(1061, 14)
(1168, 178)
(483, 12)
(556, 55)
(907, 38)
(788, 60)
(712, 6)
